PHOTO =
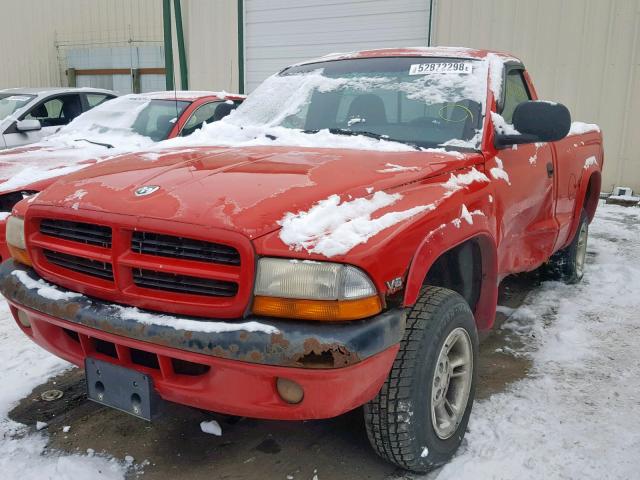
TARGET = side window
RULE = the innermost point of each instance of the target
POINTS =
(209, 112)
(515, 92)
(95, 99)
(57, 111)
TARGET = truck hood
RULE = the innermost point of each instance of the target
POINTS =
(249, 189)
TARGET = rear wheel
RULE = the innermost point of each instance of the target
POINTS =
(568, 264)
(419, 418)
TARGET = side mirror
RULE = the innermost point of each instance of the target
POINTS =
(537, 122)
(32, 125)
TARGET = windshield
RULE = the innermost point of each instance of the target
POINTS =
(10, 103)
(428, 102)
(127, 116)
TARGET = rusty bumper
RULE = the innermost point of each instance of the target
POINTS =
(282, 343)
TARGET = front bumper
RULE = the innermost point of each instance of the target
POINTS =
(233, 371)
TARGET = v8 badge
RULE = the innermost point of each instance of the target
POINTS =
(394, 285)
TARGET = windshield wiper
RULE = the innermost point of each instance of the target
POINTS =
(107, 145)
(362, 133)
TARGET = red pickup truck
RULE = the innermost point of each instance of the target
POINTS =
(337, 241)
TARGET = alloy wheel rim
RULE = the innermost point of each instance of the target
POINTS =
(451, 383)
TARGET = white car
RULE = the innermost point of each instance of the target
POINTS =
(27, 115)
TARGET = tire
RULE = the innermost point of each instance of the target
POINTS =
(399, 420)
(568, 264)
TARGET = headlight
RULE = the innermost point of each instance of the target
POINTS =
(15, 239)
(313, 290)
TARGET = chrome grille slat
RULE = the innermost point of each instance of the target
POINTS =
(87, 233)
(183, 283)
(87, 266)
(184, 248)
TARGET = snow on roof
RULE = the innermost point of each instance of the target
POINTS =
(189, 94)
(438, 51)
(53, 90)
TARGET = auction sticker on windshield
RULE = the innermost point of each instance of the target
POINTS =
(444, 67)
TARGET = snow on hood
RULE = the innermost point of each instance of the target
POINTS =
(332, 227)
(244, 189)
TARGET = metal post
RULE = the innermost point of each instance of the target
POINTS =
(168, 44)
(71, 77)
(429, 39)
(135, 80)
(182, 56)
(240, 46)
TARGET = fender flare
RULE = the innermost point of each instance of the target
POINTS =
(591, 203)
(433, 247)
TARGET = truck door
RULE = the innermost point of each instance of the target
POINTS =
(523, 176)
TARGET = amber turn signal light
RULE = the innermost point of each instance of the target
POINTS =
(19, 254)
(322, 310)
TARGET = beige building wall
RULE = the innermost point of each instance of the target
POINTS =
(584, 53)
(34, 32)
(211, 40)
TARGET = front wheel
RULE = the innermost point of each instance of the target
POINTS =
(419, 418)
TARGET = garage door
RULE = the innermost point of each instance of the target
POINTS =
(281, 32)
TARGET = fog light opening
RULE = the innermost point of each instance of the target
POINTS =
(23, 318)
(289, 391)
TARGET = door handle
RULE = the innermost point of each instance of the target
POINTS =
(550, 169)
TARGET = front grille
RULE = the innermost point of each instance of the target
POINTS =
(87, 266)
(183, 283)
(184, 248)
(116, 258)
(77, 232)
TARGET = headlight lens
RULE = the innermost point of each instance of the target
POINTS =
(15, 240)
(15, 232)
(313, 291)
(311, 280)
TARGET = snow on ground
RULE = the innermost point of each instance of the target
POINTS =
(577, 414)
(22, 451)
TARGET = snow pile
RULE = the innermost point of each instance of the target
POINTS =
(24, 455)
(332, 227)
(578, 128)
(496, 69)
(501, 126)
(465, 215)
(577, 414)
(211, 427)
(51, 292)
(393, 168)
(45, 290)
(625, 198)
(462, 180)
(499, 173)
(590, 162)
(149, 318)
(227, 134)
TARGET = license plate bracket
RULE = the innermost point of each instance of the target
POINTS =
(121, 388)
